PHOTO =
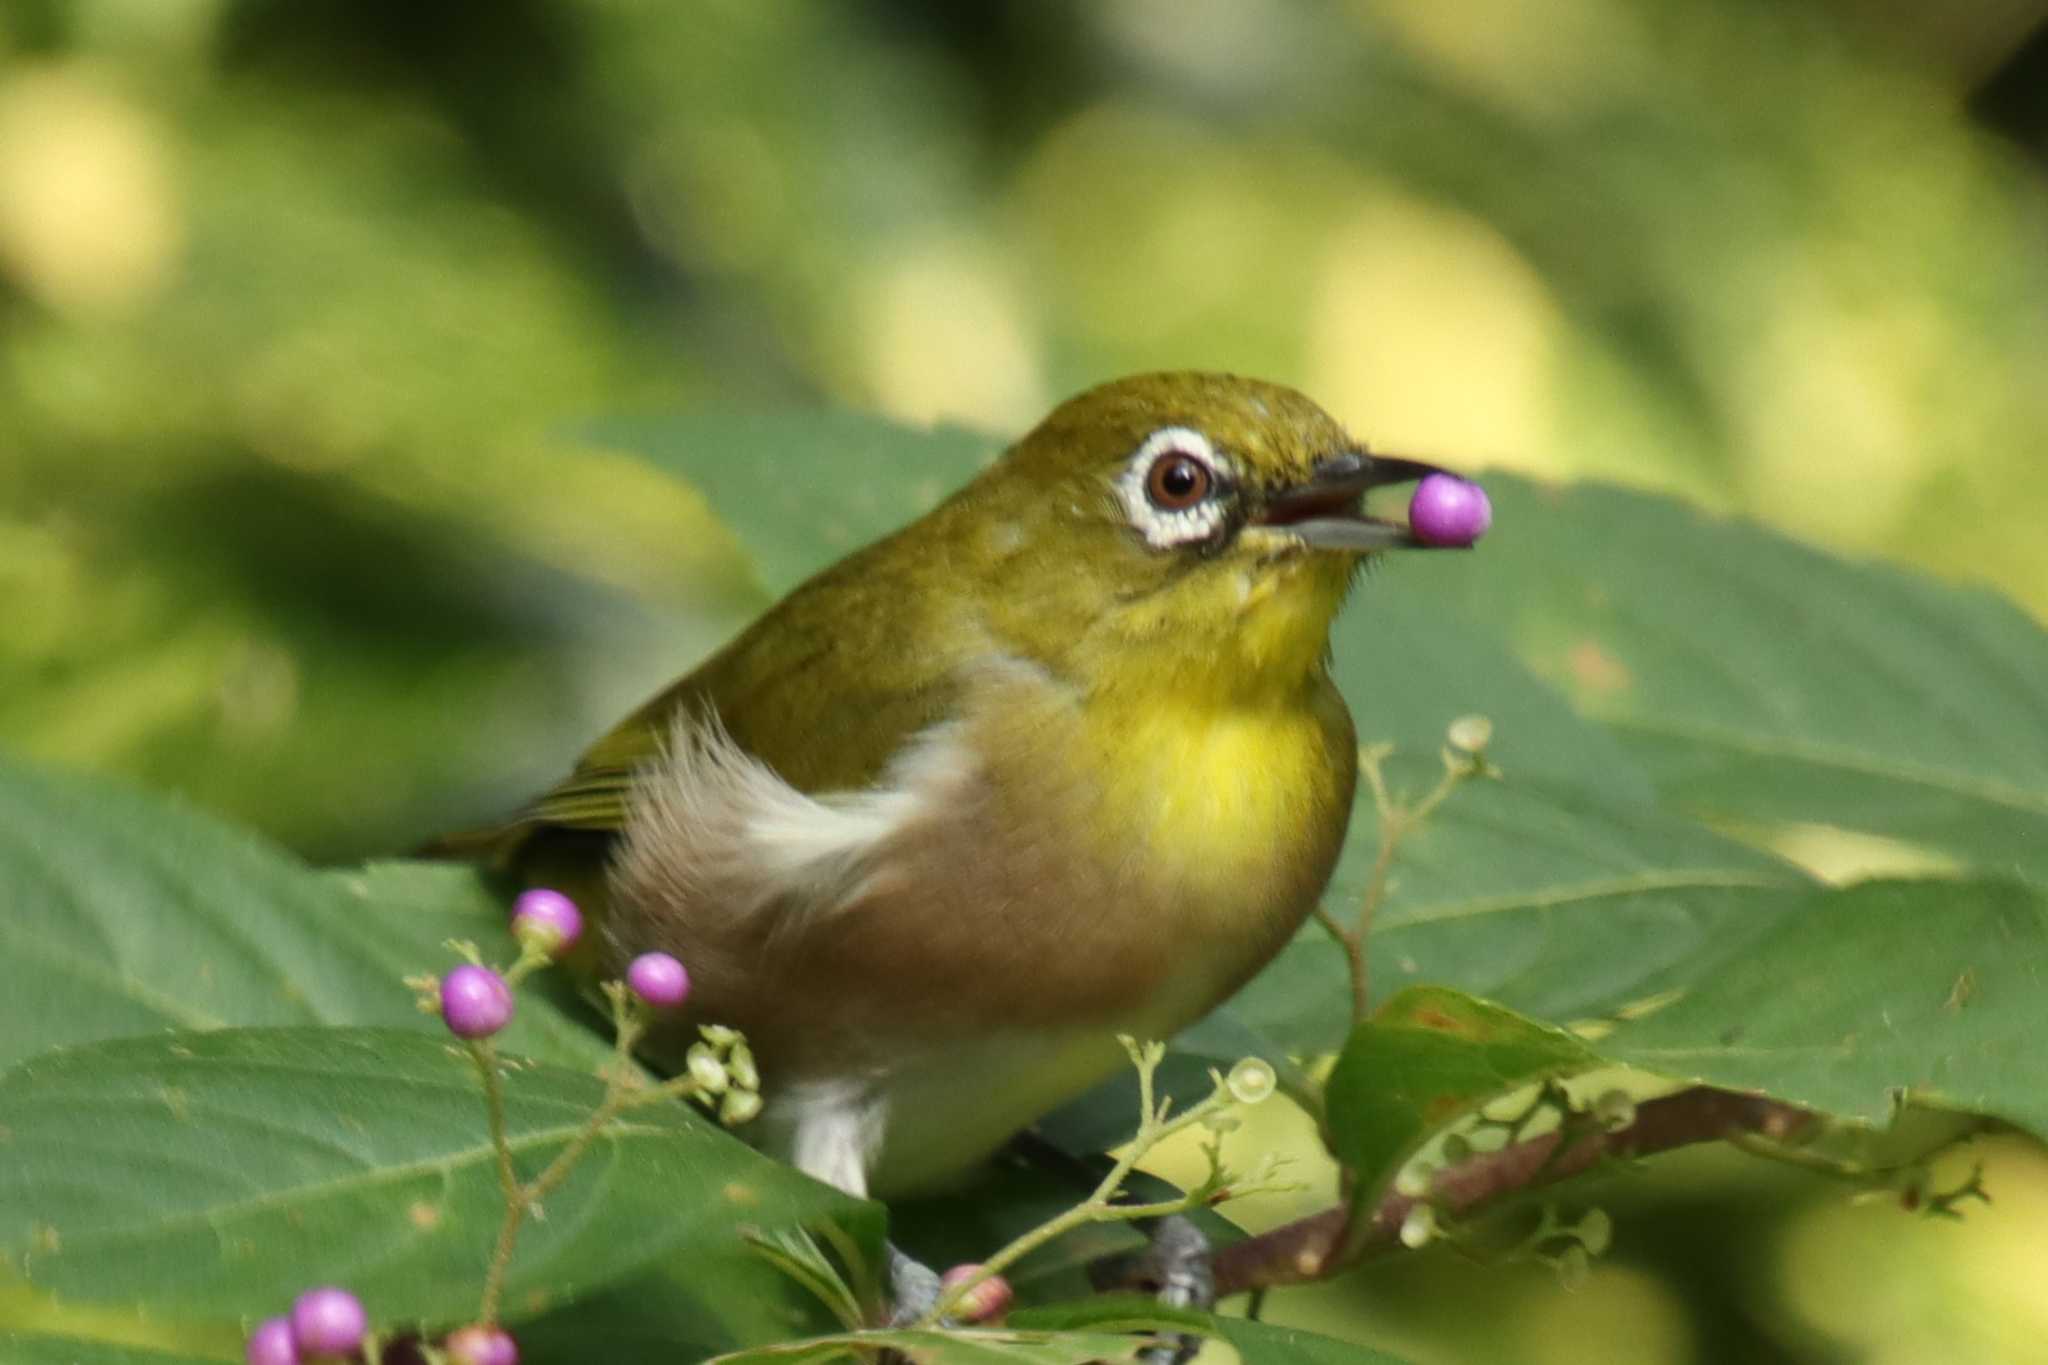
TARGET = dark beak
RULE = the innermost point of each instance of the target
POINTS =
(1328, 511)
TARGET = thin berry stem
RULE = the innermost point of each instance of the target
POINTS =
(556, 1171)
(486, 1059)
(622, 1091)
(1397, 820)
(1156, 1126)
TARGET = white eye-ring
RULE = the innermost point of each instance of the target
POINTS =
(1171, 487)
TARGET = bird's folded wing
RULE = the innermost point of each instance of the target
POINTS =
(816, 736)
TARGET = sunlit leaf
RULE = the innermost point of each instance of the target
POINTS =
(1425, 1059)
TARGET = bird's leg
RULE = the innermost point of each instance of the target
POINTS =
(1175, 1265)
(837, 1134)
(1176, 1268)
(914, 1288)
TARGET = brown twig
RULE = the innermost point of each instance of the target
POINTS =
(1307, 1249)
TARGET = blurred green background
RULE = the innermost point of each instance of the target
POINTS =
(312, 311)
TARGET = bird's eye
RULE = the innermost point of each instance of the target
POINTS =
(1177, 489)
(1177, 481)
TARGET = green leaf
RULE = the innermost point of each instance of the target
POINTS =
(960, 1346)
(805, 488)
(1408, 669)
(130, 914)
(1113, 1313)
(1759, 679)
(1548, 898)
(47, 1348)
(1860, 999)
(1427, 1058)
(1852, 1003)
(217, 1173)
(413, 910)
(700, 1302)
(1255, 1342)
(1260, 1343)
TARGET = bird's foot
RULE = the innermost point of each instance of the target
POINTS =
(1176, 1268)
(914, 1289)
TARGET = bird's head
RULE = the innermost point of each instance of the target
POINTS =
(1202, 528)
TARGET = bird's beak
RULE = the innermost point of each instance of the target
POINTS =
(1327, 512)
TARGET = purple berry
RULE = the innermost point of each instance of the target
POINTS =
(658, 979)
(328, 1322)
(546, 918)
(475, 1001)
(479, 1345)
(271, 1343)
(1448, 510)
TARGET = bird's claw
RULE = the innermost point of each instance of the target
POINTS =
(1176, 1268)
(914, 1289)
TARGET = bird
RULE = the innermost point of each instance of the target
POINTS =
(1060, 760)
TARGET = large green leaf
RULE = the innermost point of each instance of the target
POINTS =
(1760, 679)
(215, 1174)
(1858, 1000)
(1853, 1003)
(805, 488)
(129, 914)
(1550, 898)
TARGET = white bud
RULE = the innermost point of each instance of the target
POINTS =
(1487, 1139)
(1596, 1232)
(1419, 1228)
(740, 1064)
(739, 1106)
(1413, 1180)
(706, 1070)
(1252, 1080)
(1615, 1110)
(1470, 734)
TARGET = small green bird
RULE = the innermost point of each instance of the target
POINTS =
(1061, 759)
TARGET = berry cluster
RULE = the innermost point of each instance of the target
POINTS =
(325, 1323)
(476, 1002)
(329, 1324)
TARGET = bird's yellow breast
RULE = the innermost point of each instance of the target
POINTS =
(1227, 809)
(1223, 794)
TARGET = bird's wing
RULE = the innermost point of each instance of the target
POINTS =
(821, 690)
